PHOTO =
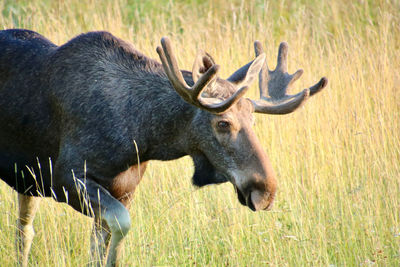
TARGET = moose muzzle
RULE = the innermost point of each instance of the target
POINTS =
(258, 192)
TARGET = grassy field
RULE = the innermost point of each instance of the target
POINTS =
(337, 159)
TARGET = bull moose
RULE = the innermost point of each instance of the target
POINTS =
(76, 119)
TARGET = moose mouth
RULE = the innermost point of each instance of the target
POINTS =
(242, 199)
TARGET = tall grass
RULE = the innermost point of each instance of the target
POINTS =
(337, 159)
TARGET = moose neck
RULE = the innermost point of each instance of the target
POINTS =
(163, 127)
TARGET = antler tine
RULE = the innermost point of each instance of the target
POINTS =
(165, 66)
(276, 84)
(226, 104)
(172, 64)
(263, 75)
(169, 63)
(282, 57)
(261, 106)
(192, 94)
(318, 86)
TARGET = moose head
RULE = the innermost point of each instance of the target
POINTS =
(223, 144)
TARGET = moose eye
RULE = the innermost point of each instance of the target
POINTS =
(223, 125)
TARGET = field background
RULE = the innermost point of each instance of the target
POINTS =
(337, 159)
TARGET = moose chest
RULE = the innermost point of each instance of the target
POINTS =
(124, 184)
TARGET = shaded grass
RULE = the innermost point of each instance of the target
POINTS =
(337, 159)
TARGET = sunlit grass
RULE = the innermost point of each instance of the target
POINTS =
(337, 159)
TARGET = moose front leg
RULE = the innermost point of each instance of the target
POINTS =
(123, 187)
(112, 221)
(28, 207)
(92, 199)
(99, 241)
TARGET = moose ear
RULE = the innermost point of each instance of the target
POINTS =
(246, 74)
(201, 64)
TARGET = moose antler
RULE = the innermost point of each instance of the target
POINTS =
(276, 83)
(193, 94)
